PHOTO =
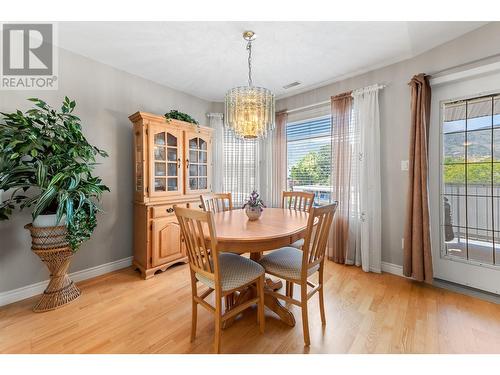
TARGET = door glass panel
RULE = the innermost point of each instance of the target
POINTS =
(496, 145)
(454, 147)
(479, 146)
(203, 144)
(497, 248)
(160, 169)
(455, 241)
(171, 140)
(203, 157)
(203, 170)
(172, 184)
(193, 156)
(160, 184)
(471, 180)
(203, 183)
(454, 126)
(193, 143)
(160, 138)
(172, 154)
(479, 113)
(496, 111)
(479, 178)
(454, 210)
(193, 183)
(159, 153)
(480, 245)
(193, 169)
(479, 213)
(453, 177)
(172, 169)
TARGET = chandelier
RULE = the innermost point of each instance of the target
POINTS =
(249, 110)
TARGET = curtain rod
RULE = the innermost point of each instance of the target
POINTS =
(321, 103)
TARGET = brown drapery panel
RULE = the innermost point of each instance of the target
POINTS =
(341, 106)
(417, 242)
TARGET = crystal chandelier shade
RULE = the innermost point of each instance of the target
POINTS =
(249, 110)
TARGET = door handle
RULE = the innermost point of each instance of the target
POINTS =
(187, 163)
(170, 210)
(179, 163)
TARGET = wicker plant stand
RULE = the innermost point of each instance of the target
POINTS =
(50, 244)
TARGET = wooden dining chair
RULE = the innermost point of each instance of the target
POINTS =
(222, 273)
(217, 202)
(298, 201)
(296, 266)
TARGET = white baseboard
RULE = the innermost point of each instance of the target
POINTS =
(24, 292)
(395, 269)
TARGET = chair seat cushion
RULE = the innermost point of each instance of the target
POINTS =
(298, 244)
(235, 271)
(285, 262)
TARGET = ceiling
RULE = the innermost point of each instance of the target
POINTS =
(205, 59)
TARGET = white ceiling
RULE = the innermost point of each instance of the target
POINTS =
(205, 59)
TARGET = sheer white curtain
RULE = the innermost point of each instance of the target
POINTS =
(272, 163)
(241, 172)
(215, 121)
(240, 166)
(367, 236)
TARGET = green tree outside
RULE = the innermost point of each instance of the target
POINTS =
(313, 168)
(477, 173)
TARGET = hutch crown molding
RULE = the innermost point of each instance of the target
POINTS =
(172, 166)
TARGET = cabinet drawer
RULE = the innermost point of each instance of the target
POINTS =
(166, 210)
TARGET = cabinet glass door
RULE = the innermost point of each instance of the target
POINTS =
(197, 163)
(165, 162)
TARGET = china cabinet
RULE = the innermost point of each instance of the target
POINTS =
(172, 166)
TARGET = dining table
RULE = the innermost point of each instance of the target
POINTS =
(276, 228)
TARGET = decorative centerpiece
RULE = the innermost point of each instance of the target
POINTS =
(48, 164)
(254, 206)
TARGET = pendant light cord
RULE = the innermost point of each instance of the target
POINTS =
(249, 49)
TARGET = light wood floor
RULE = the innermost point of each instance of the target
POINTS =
(366, 313)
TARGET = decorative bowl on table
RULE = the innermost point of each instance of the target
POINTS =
(254, 206)
(253, 213)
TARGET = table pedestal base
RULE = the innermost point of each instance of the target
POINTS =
(270, 302)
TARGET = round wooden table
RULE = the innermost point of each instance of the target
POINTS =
(277, 227)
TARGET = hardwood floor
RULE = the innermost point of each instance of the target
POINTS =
(366, 313)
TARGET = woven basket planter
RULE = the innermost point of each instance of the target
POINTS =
(50, 244)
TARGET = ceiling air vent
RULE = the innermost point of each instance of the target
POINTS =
(290, 85)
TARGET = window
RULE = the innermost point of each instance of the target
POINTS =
(470, 176)
(240, 167)
(309, 157)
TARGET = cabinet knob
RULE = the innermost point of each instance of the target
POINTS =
(200, 205)
(170, 210)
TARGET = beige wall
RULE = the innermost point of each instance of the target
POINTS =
(394, 112)
(105, 98)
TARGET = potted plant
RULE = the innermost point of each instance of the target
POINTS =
(176, 115)
(254, 206)
(47, 163)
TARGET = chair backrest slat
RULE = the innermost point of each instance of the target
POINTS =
(217, 202)
(318, 227)
(297, 200)
(198, 231)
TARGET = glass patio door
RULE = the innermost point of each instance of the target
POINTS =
(464, 169)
